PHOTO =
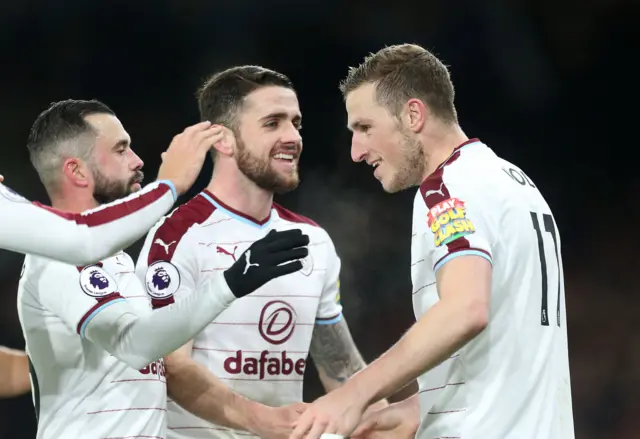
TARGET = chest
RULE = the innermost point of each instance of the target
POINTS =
(292, 297)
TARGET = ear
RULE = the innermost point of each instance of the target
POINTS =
(77, 171)
(227, 145)
(415, 115)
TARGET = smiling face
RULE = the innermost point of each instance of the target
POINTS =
(383, 142)
(268, 141)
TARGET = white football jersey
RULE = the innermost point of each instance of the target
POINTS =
(79, 389)
(259, 345)
(81, 238)
(512, 380)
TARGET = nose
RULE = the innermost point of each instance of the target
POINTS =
(291, 135)
(358, 151)
(136, 161)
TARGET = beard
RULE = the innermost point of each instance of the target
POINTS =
(106, 190)
(261, 173)
(411, 171)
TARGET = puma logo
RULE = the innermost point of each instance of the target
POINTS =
(247, 257)
(226, 252)
(161, 243)
(439, 191)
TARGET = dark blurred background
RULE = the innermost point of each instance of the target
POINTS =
(548, 84)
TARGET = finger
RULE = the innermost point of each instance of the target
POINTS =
(287, 256)
(206, 142)
(1, 178)
(213, 130)
(274, 235)
(301, 426)
(316, 430)
(197, 127)
(283, 270)
(364, 427)
(287, 242)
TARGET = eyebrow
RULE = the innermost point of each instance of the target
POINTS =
(122, 142)
(281, 115)
(355, 125)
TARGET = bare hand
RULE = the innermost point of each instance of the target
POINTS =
(182, 161)
(398, 421)
(337, 412)
(276, 422)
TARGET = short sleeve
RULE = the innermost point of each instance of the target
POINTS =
(329, 308)
(167, 266)
(459, 219)
(77, 295)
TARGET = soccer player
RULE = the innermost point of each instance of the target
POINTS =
(238, 374)
(83, 238)
(95, 348)
(489, 348)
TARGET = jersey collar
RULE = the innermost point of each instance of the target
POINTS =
(236, 214)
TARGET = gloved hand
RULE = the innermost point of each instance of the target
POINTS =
(273, 256)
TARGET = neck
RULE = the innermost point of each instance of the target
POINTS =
(439, 144)
(73, 202)
(238, 192)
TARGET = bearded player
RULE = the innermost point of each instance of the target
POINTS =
(489, 348)
(232, 380)
(94, 346)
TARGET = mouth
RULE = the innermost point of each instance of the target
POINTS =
(137, 180)
(289, 160)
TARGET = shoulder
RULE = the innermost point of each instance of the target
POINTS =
(318, 236)
(306, 224)
(172, 229)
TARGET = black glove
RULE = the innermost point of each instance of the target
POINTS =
(273, 256)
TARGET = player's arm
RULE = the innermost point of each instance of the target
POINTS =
(464, 286)
(81, 239)
(332, 348)
(90, 301)
(462, 263)
(189, 383)
(196, 389)
(14, 373)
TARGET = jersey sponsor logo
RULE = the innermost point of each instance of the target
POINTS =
(277, 322)
(263, 366)
(448, 221)
(11, 195)
(156, 368)
(162, 280)
(96, 282)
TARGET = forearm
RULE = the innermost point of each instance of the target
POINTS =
(139, 340)
(336, 357)
(197, 390)
(14, 373)
(82, 239)
(441, 332)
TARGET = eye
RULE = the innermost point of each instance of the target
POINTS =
(271, 124)
(365, 128)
